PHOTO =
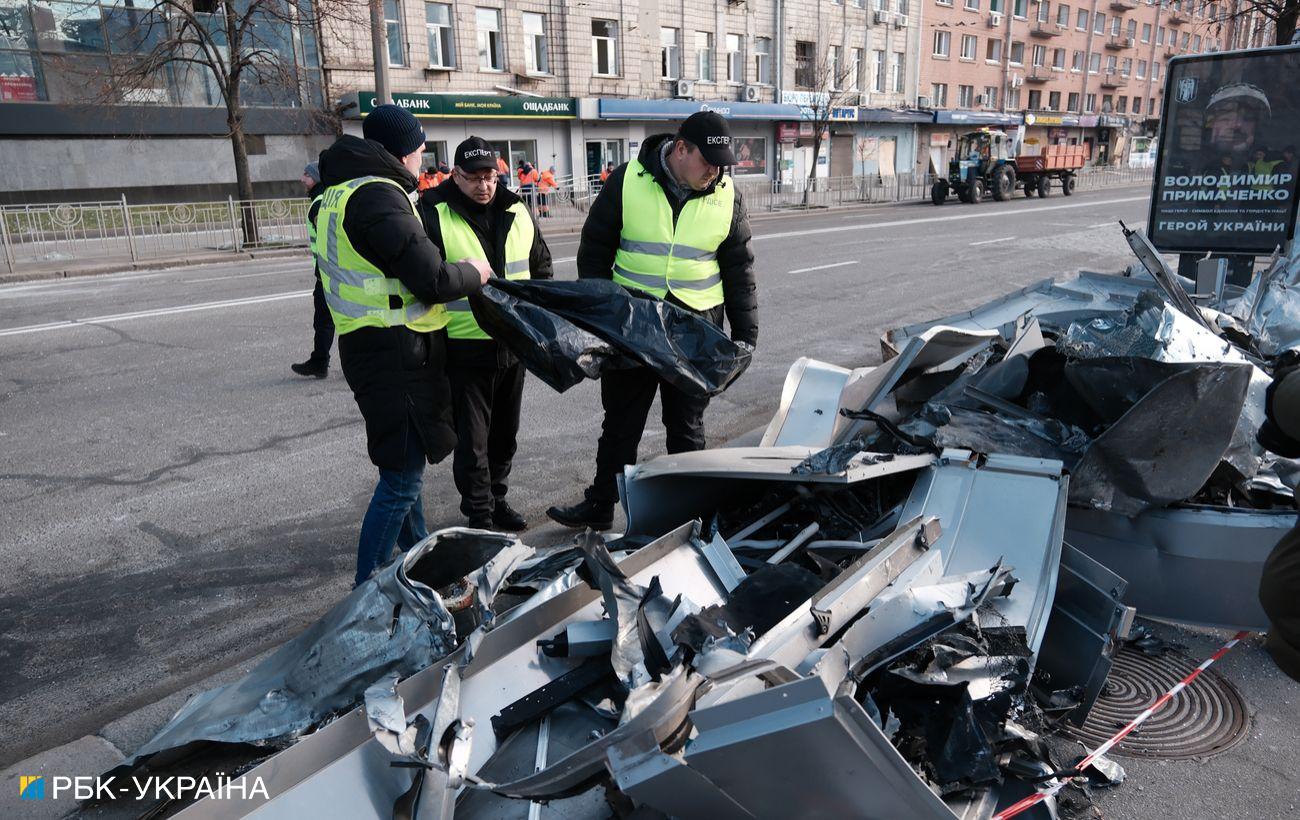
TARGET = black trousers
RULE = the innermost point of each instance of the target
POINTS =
(627, 396)
(485, 403)
(322, 325)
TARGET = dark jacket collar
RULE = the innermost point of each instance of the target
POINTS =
(448, 192)
(352, 157)
(648, 156)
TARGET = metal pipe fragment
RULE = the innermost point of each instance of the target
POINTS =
(796, 542)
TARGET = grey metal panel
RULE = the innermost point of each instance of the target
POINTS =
(667, 784)
(341, 771)
(795, 751)
(52, 119)
(809, 402)
(1003, 507)
(1200, 565)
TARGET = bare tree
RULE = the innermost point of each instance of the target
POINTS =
(1283, 16)
(232, 53)
(829, 82)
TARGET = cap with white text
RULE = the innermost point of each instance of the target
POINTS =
(708, 131)
(475, 154)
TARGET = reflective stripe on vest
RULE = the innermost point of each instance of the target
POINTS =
(657, 257)
(356, 291)
(311, 224)
(459, 242)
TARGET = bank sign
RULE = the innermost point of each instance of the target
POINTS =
(477, 106)
(1226, 167)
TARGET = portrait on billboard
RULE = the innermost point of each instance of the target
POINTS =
(1226, 169)
(751, 156)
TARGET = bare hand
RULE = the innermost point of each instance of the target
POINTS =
(483, 268)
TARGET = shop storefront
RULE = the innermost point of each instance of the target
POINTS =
(939, 137)
(1054, 128)
(886, 142)
(1114, 139)
(537, 130)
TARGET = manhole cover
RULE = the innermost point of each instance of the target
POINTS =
(1207, 718)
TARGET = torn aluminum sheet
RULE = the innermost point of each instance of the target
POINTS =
(342, 771)
(1166, 446)
(1198, 565)
(1270, 308)
(1169, 282)
(394, 623)
(670, 490)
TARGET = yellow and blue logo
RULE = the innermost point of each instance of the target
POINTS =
(31, 787)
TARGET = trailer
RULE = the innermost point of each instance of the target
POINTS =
(1056, 163)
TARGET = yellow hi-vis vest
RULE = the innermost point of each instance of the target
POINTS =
(356, 291)
(459, 242)
(658, 258)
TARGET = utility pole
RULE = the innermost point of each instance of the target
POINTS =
(379, 40)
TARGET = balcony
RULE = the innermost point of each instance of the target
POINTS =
(1113, 79)
(1038, 74)
(1044, 30)
(1177, 17)
(1119, 42)
(1170, 53)
(1123, 5)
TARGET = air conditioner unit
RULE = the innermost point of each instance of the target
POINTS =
(922, 102)
(995, 19)
(1017, 81)
(880, 17)
(684, 89)
(900, 21)
(753, 93)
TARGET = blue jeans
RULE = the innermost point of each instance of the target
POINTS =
(396, 512)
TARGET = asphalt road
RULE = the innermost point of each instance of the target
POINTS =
(173, 500)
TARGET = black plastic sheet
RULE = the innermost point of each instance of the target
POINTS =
(563, 330)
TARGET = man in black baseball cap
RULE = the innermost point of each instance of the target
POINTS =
(475, 154)
(670, 225)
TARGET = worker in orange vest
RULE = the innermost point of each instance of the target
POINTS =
(503, 172)
(545, 184)
(440, 176)
(528, 178)
(427, 180)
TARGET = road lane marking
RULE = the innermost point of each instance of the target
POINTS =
(565, 259)
(149, 314)
(991, 241)
(1107, 224)
(239, 276)
(825, 267)
(990, 214)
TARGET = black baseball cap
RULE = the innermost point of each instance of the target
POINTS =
(708, 132)
(475, 154)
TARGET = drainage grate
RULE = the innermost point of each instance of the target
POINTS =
(1205, 719)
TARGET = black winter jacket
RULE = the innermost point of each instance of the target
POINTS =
(600, 237)
(396, 374)
(491, 224)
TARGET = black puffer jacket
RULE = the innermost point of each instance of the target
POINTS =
(491, 223)
(605, 221)
(396, 374)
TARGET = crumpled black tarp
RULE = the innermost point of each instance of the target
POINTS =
(394, 623)
(536, 321)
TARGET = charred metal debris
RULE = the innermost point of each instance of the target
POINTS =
(883, 609)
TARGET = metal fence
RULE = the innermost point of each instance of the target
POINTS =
(36, 236)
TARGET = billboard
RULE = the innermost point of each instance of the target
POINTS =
(1225, 177)
(751, 156)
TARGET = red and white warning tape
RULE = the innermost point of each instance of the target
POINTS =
(1037, 797)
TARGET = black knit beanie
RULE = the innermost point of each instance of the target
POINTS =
(395, 128)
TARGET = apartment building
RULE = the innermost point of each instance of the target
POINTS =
(1071, 72)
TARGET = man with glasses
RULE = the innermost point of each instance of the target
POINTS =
(472, 216)
(670, 225)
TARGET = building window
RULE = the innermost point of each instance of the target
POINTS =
(536, 60)
(704, 55)
(971, 5)
(804, 63)
(1058, 59)
(763, 60)
(1099, 24)
(1155, 70)
(1017, 56)
(1090, 103)
(1038, 56)
(1137, 105)
(442, 43)
(1072, 102)
(670, 53)
(883, 5)
(902, 7)
(1094, 63)
(996, 5)
(1112, 64)
(490, 54)
(897, 70)
(990, 97)
(942, 42)
(833, 75)
(1018, 8)
(940, 2)
(1013, 99)
(993, 51)
(1122, 107)
(965, 96)
(1107, 103)
(1076, 61)
(1146, 32)
(1151, 105)
(1126, 67)
(604, 48)
(1115, 23)
(1131, 29)
(735, 60)
(1063, 16)
(1082, 21)
(969, 46)
(393, 28)
(1160, 35)
(855, 70)
(1142, 69)
(1044, 11)
(939, 95)
(1054, 100)
(1035, 100)
(880, 79)
(1196, 43)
